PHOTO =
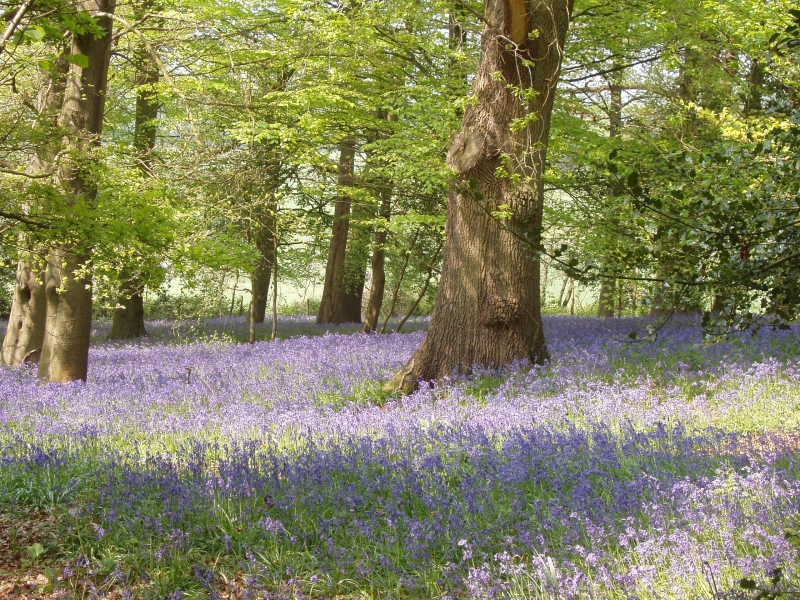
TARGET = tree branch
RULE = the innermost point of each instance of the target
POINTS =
(14, 23)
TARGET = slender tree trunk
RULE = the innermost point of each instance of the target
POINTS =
(605, 302)
(334, 271)
(560, 300)
(416, 304)
(259, 284)
(572, 303)
(264, 224)
(25, 332)
(570, 289)
(544, 282)
(379, 263)
(488, 308)
(752, 104)
(128, 321)
(233, 294)
(274, 332)
(396, 291)
(355, 266)
(68, 285)
(252, 320)
(718, 305)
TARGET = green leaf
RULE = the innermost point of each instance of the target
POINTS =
(34, 33)
(79, 60)
(35, 551)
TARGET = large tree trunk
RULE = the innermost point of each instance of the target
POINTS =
(334, 271)
(25, 332)
(488, 308)
(378, 287)
(128, 319)
(68, 286)
(65, 354)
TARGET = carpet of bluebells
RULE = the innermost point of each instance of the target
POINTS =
(663, 468)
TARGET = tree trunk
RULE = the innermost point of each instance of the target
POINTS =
(572, 303)
(752, 104)
(262, 273)
(488, 308)
(718, 304)
(560, 300)
(570, 289)
(233, 294)
(402, 274)
(274, 332)
(605, 302)
(65, 353)
(416, 304)
(68, 286)
(25, 332)
(355, 265)
(379, 263)
(128, 321)
(544, 283)
(334, 271)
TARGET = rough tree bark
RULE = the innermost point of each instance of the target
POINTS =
(25, 332)
(334, 271)
(68, 283)
(488, 308)
(128, 321)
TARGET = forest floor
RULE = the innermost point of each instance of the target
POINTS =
(193, 466)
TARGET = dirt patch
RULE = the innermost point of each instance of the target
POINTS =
(21, 528)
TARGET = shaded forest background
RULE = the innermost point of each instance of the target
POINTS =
(224, 149)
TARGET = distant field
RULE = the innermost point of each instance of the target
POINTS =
(189, 466)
